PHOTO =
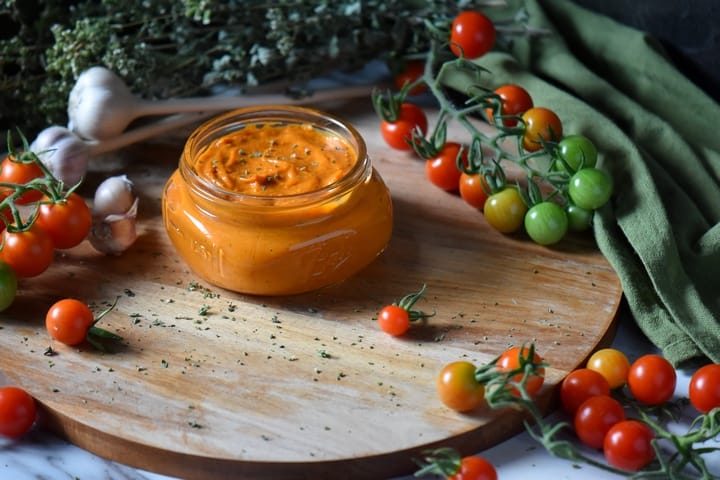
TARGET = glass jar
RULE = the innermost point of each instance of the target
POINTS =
(278, 244)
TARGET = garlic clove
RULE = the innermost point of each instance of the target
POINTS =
(113, 196)
(115, 233)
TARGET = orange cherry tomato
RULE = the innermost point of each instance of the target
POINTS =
(541, 124)
(611, 364)
(458, 388)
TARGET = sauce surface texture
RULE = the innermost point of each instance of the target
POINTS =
(275, 159)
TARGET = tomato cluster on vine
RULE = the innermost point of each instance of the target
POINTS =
(620, 407)
(562, 184)
(39, 216)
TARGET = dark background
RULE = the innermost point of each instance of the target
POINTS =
(688, 29)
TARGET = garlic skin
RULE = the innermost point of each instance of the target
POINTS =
(100, 105)
(63, 153)
(114, 216)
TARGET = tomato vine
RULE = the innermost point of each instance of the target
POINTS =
(561, 185)
(639, 440)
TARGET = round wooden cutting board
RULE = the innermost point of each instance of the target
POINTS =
(211, 384)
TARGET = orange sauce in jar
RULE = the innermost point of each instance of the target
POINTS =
(276, 201)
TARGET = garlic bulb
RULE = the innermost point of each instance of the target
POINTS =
(63, 153)
(114, 216)
(100, 105)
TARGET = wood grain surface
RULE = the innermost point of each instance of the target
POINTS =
(211, 384)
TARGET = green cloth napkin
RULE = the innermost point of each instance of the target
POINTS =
(659, 137)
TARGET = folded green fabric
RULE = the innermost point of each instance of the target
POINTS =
(658, 137)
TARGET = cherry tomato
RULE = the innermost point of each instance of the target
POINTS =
(704, 388)
(546, 223)
(21, 173)
(68, 321)
(29, 253)
(505, 210)
(394, 320)
(472, 35)
(458, 388)
(475, 468)
(628, 445)
(442, 170)
(398, 133)
(579, 219)
(411, 72)
(67, 223)
(595, 416)
(515, 100)
(652, 379)
(590, 188)
(472, 189)
(578, 386)
(578, 152)
(510, 360)
(611, 364)
(17, 412)
(8, 286)
(540, 123)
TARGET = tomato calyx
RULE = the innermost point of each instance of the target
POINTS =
(408, 301)
(443, 461)
(98, 337)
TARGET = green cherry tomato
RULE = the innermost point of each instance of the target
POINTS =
(505, 210)
(546, 223)
(8, 286)
(579, 219)
(590, 188)
(577, 151)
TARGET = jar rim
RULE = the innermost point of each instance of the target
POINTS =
(236, 119)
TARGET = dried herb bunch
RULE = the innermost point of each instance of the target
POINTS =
(168, 48)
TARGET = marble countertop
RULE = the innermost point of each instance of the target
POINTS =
(41, 455)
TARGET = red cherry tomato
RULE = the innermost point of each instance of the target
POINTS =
(472, 35)
(21, 173)
(67, 223)
(579, 385)
(652, 379)
(17, 412)
(458, 388)
(628, 445)
(540, 123)
(398, 133)
(29, 253)
(611, 364)
(68, 321)
(394, 320)
(475, 468)
(594, 417)
(510, 360)
(515, 100)
(473, 189)
(442, 169)
(704, 388)
(412, 72)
